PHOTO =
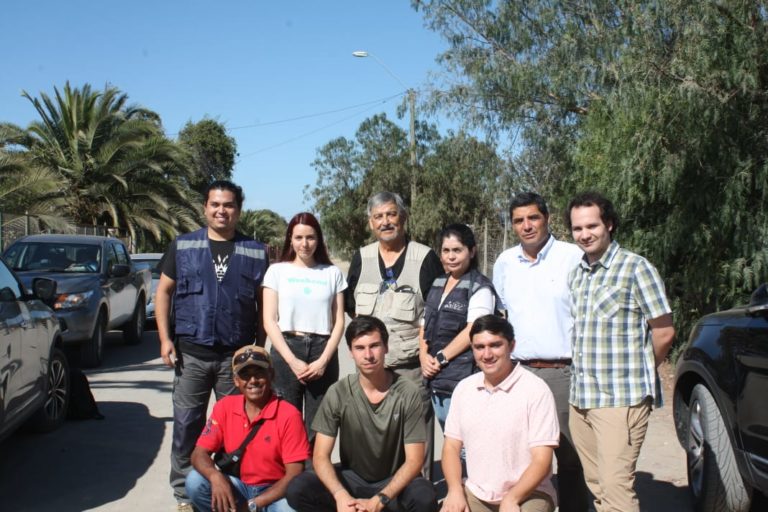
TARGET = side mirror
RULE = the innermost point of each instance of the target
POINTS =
(120, 270)
(44, 288)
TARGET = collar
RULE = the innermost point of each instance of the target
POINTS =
(540, 256)
(268, 412)
(504, 385)
(605, 260)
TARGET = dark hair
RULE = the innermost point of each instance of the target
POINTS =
(306, 219)
(527, 199)
(464, 235)
(607, 212)
(365, 325)
(493, 324)
(226, 185)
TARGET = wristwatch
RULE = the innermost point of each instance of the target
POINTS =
(383, 498)
(252, 506)
(441, 359)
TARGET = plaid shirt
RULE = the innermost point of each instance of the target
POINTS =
(613, 299)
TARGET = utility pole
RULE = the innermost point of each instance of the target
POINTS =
(412, 101)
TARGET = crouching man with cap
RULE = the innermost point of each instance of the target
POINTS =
(271, 459)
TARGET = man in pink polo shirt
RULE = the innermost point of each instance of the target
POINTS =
(506, 420)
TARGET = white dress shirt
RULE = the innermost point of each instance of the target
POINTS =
(537, 298)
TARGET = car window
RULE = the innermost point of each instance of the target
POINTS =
(10, 289)
(111, 256)
(54, 257)
(122, 254)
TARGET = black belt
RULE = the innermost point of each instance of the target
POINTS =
(546, 363)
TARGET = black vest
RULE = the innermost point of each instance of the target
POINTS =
(443, 322)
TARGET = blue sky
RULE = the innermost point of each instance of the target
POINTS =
(248, 64)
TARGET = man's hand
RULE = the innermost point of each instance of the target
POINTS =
(168, 352)
(344, 501)
(455, 502)
(369, 505)
(222, 497)
(509, 507)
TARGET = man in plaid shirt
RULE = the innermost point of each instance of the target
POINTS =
(623, 330)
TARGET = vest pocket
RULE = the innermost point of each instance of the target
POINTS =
(188, 285)
(404, 306)
(246, 287)
(365, 298)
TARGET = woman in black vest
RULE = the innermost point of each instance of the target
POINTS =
(453, 303)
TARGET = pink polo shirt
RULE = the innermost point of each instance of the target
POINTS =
(498, 428)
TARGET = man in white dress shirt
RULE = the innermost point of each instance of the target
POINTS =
(532, 280)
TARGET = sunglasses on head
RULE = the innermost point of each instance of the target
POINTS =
(251, 355)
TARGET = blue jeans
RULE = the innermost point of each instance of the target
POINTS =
(441, 404)
(199, 491)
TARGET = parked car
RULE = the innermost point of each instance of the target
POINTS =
(151, 261)
(720, 413)
(99, 289)
(34, 374)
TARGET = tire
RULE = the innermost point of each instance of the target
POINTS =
(92, 351)
(54, 410)
(134, 329)
(713, 475)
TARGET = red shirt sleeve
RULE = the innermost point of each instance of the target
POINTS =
(212, 436)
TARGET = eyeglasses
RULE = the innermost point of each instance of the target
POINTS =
(389, 282)
(251, 355)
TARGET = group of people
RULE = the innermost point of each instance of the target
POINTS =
(558, 350)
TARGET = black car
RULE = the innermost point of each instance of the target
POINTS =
(720, 406)
(34, 373)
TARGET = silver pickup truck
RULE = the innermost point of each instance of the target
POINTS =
(98, 287)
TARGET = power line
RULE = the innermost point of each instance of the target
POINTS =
(319, 114)
(273, 146)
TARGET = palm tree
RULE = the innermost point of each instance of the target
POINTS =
(114, 163)
(25, 188)
(264, 225)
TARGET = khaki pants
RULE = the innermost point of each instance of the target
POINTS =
(537, 501)
(608, 441)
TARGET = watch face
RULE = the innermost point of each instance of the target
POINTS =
(441, 359)
(383, 498)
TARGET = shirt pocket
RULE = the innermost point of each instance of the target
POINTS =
(365, 298)
(608, 301)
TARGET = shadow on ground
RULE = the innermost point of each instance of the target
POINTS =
(660, 496)
(82, 465)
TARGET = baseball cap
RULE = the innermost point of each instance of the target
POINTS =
(250, 355)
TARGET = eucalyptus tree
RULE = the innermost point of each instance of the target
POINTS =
(113, 163)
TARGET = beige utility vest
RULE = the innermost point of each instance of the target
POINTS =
(400, 307)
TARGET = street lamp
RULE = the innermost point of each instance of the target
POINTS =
(412, 105)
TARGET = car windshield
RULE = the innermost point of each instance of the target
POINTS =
(151, 264)
(54, 257)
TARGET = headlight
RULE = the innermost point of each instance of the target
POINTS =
(72, 300)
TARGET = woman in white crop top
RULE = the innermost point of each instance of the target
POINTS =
(304, 316)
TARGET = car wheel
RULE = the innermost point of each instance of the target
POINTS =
(91, 351)
(713, 475)
(134, 329)
(54, 410)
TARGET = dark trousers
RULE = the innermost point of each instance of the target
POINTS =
(305, 397)
(192, 386)
(306, 493)
(572, 492)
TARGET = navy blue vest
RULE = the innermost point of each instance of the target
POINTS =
(209, 312)
(443, 322)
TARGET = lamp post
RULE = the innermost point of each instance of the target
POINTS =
(412, 108)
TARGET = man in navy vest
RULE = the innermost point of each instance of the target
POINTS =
(214, 277)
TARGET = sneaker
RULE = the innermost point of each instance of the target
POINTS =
(184, 507)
